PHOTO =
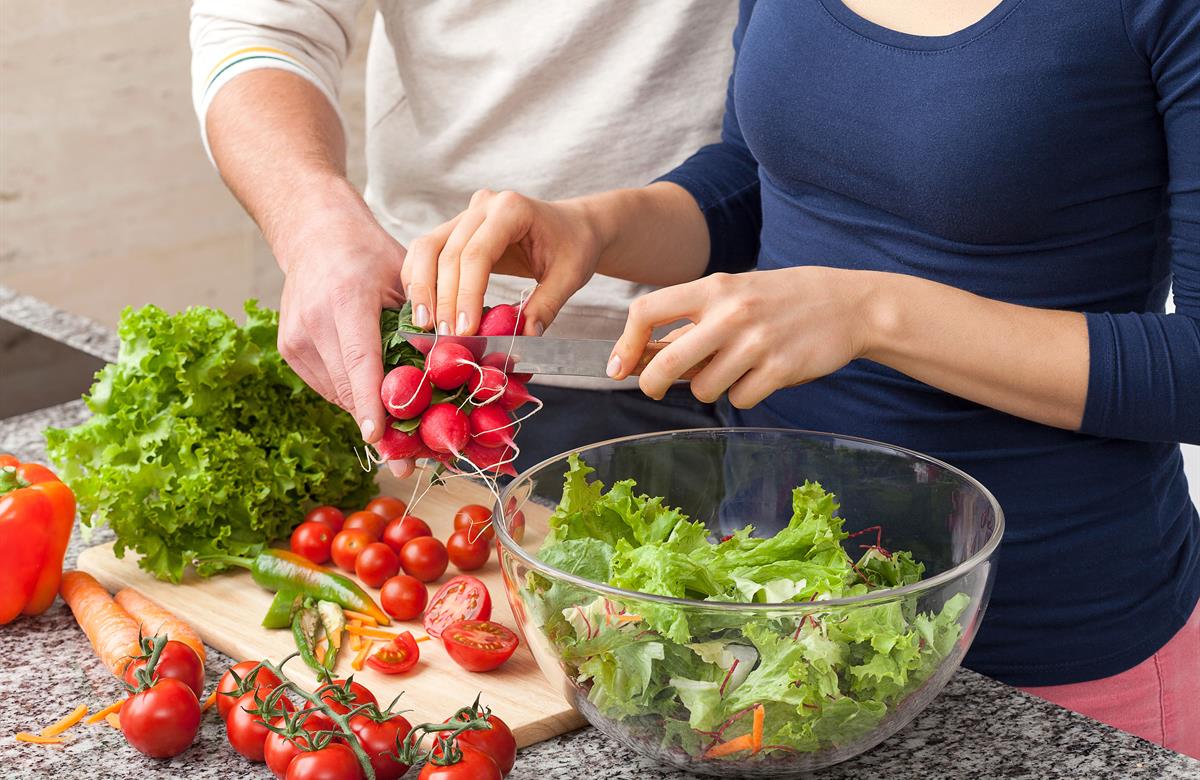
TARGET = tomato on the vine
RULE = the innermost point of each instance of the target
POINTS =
(387, 507)
(476, 519)
(479, 645)
(472, 765)
(162, 720)
(379, 739)
(263, 680)
(462, 598)
(247, 732)
(370, 522)
(312, 540)
(424, 558)
(329, 515)
(278, 750)
(403, 530)
(397, 656)
(376, 563)
(498, 741)
(403, 597)
(468, 550)
(347, 545)
(335, 761)
(176, 661)
(336, 696)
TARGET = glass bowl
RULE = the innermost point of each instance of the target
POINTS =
(687, 681)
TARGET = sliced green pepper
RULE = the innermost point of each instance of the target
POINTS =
(279, 614)
(305, 625)
(333, 620)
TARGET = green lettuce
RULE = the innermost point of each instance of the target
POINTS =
(203, 441)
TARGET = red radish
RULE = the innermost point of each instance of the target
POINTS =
(491, 427)
(487, 385)
(445, 429)
(502, 320)
(490, 458)
(406, 392)
(515, 395)
(504, 363)
(450, 365)
(395, 445)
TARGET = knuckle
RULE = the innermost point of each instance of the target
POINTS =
(481, 196)
(422, 247)
(354, 357)
(509, 201)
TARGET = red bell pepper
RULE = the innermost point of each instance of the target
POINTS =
(37, 514)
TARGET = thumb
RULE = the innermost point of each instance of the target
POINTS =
(546, 301)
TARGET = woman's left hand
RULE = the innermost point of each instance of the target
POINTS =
(765, 330)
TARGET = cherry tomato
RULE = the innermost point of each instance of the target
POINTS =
(424, 558)
(370, 522)
(397, 656)
(332, 762)
(340, 701)
(474, 765)
(462, 598)
(263, 680)
(278, 750)
(176, 661)
(387, 507)
(346, 547)
(313, 540)
(403, 597)
(162, 720)
(476, 519)
(498, 742)
(403, 530)
(329, 515)
(379, 739)
(478, 645)
(246, 731)
(466, 554)
(376, 563)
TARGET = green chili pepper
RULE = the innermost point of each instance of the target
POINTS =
(279, 614)
(283, 570)
(333, 620)
(305, 625)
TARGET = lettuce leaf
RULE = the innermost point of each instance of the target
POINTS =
(202, 440)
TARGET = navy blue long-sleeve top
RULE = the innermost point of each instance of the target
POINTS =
(1047, 155)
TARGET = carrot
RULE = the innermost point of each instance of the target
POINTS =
(756, 734)
(367, 620)
(744, 742)
(209, 702)
(38, 739)
(67, 722)
(320, 650)
(110, 629)
(355, 640)
(113, 720)
(373, 633)
(363, 652)
(153, 620)
(102, 714)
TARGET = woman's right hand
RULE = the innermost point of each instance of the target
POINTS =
(446, 273)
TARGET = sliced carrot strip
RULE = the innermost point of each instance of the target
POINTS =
(423, 638)
(102, 714)
(210, 701)
(113, 720)
(355, 640)
(363, 652)
(38, 739)
(319, 652)
(735, 745)
(756, 733)
(373, 633)
(363, 618)
(70, 720)
(627, 618)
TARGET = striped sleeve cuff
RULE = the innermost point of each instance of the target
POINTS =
(241, 61)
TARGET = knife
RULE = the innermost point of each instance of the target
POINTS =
(545, 354)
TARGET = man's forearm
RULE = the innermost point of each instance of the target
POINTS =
(280, 148)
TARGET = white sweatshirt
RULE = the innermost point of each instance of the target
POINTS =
(551, 99)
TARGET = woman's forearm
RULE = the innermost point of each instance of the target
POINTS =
(652, 235)
(1028, 362)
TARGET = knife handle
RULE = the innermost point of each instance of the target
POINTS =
(653, 348)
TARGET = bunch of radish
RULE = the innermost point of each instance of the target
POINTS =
(450, 405)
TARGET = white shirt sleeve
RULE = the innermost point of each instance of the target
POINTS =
(311, 38)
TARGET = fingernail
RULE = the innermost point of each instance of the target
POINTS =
(443, 328)
(538, 328)
(421, 316)
(460, 326)
(614, 366)
(368, 429)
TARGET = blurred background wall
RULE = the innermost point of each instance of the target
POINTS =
(106, 196)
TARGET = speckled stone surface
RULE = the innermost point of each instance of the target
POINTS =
(977, 728)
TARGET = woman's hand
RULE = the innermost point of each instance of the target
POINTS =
(765, 330)
(446, 273)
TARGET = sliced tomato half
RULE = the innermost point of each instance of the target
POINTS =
(397, 656)
(462, 598)
(479, 645)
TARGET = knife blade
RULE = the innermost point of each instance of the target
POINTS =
(544, 354)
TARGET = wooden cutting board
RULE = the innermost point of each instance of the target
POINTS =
(226, 609)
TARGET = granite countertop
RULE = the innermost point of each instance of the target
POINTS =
(976, 728)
